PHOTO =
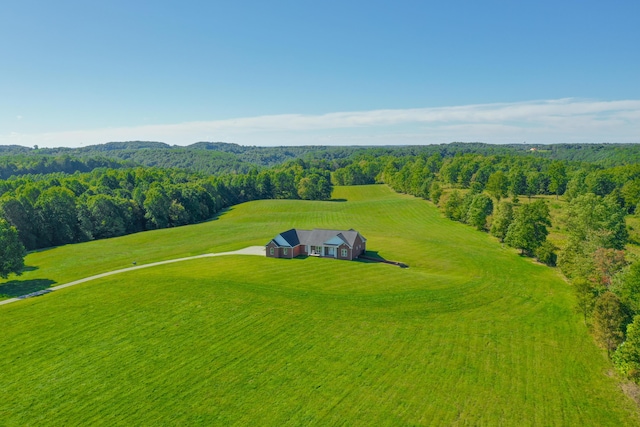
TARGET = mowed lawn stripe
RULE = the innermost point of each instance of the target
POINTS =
(470, 334)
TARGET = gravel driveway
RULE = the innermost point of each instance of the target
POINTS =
(251, 250)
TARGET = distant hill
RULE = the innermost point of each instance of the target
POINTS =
(222, 157)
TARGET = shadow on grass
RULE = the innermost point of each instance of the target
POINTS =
(374, 256)
(217, 215)
(35, 251)
(337, 200)
(29, 268)
(371, 256)
(16, 288)
(296, 257)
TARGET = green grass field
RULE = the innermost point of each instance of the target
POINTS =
(470, 334)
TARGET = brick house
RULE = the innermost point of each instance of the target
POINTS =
(339, 244)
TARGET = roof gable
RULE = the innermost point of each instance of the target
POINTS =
(288, 238)
(335, 240)
(317, 237)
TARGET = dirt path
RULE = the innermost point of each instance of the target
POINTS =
(251, 250)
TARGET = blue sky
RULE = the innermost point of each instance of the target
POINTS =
(334, 72)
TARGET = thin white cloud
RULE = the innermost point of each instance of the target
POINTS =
(549, 121)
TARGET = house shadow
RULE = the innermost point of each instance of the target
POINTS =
(371, 256)
(375, 257)
(16, 288)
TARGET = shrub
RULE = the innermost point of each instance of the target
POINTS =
(545, 253)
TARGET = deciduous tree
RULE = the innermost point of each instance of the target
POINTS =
(157, 204)
(529, 227)
(502, 218)
(59, 216)
(435, 192)
(557, 178)
(607, 263)
(586, 295)
(498, 185)
(12, 251)
(453, 205)
(597, 219)
(481, 207)
(627, 355)
(627, 287)
(608, 321)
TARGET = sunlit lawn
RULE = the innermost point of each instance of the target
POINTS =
(470, 334)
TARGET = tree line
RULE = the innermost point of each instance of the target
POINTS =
(57, 209)
(35, 164)
(486, 191)
(220, 157)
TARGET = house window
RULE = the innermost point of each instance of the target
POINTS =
(271, 251)
(344, 253)
(285, 250)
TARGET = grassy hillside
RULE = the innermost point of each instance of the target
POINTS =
(470, 334)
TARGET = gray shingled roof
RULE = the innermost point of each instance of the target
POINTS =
(315, 237)
(291, 237)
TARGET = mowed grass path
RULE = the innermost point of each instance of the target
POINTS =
(470, 334)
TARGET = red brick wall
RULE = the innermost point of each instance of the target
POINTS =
(358, 249)
(279, 252)
(340, 248)
(359, 243)
(276, 250)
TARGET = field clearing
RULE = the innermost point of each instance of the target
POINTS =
(470, 334)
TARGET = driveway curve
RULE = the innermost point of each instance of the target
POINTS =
(251, 250)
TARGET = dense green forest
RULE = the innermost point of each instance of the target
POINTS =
(56, 209)
(52, 197)
(219, 157)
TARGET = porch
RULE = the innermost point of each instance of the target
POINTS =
(322, 251)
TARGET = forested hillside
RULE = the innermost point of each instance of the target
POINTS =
(220, 157)
(51, 197)
(56, 209)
